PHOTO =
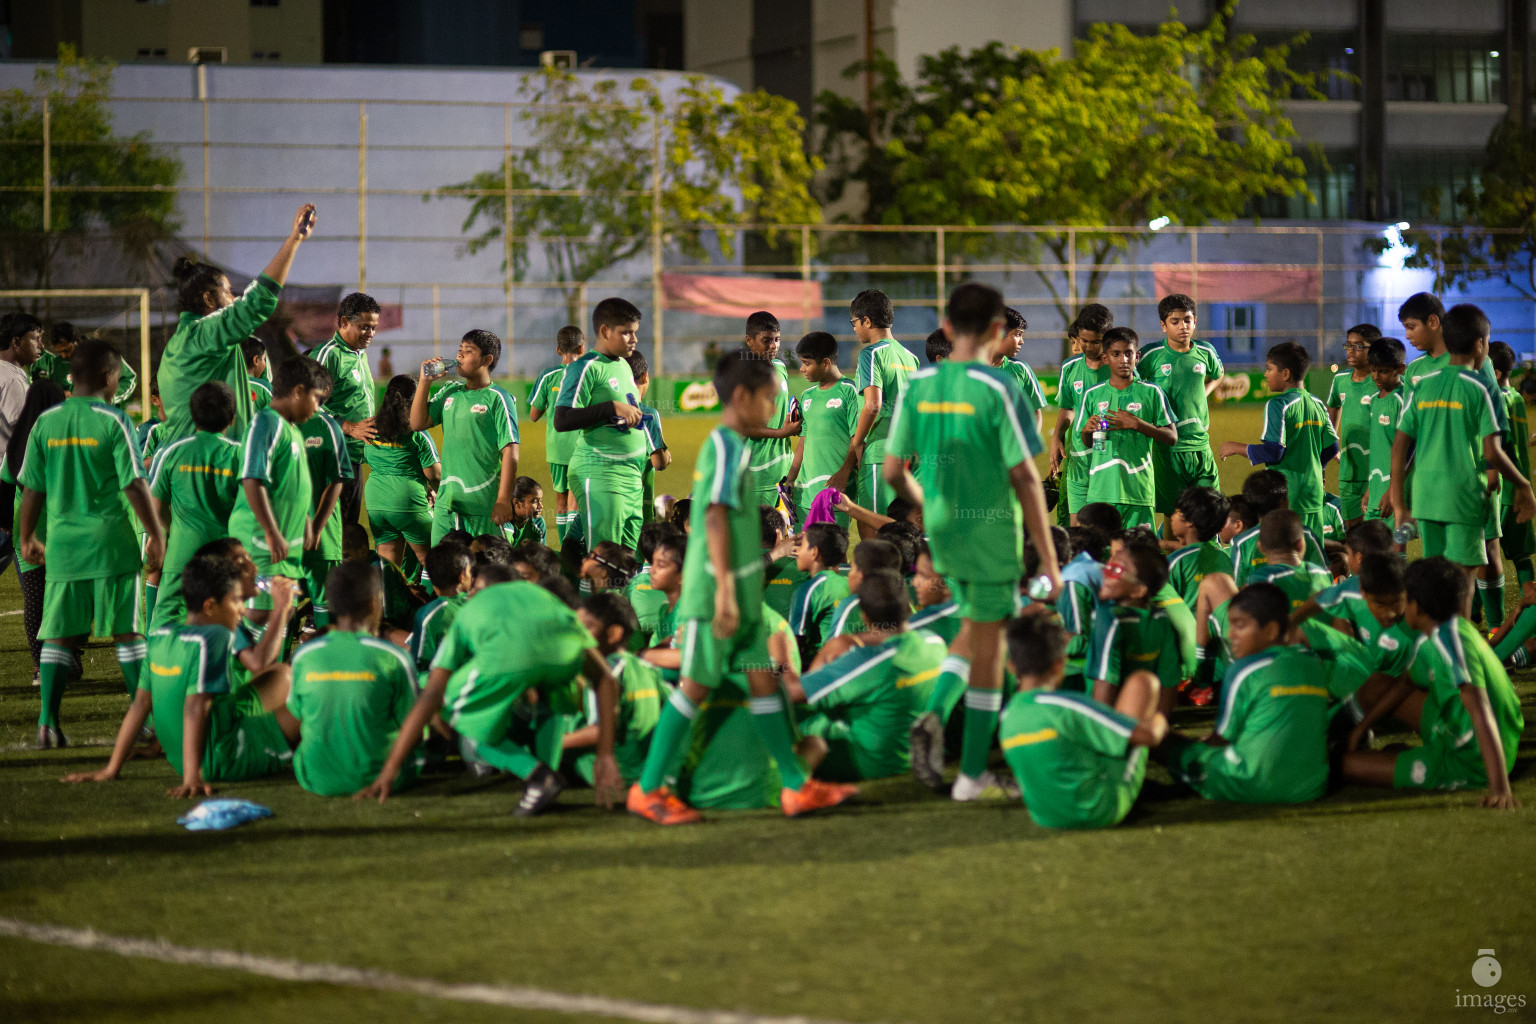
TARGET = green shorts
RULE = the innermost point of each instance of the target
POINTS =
(1352, 494)
(446, 518)
(482, 702)
(1518, 540)
(1134, 515)
(984, 602)
(390, 526)
(104, 607)
(243, 745)
(1175, 471)
(557, 476)
(291, 567)
(874, 493)
(170, 609)
(608, 499)
(1493, 520)
(1462, 543)
(1074, 481)
(707, 659)
(1218, 773)
(847, 759)
(316, 569)
(1435, 766)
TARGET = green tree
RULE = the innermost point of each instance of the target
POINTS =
(129, 184)
(583, 188)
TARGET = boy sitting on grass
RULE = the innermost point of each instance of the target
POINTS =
(448, 566)
(1130, 633)
(1196, 523)
(611, 620)
(1282, 542)
(1264, 491)
(870, 556)
(821, 549)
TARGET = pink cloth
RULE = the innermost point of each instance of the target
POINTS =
(823, 505)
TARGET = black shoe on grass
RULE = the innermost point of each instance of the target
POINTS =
(927, 743)
(50, 738)
(544, 788)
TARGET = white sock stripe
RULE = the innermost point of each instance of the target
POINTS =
(1482, 584)
(686, 707)
(984, 700)
(766, 705)
(49, 658)
(956, 666)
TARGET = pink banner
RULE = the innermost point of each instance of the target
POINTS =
(739, 297)
(1235, 282)
(316, 321)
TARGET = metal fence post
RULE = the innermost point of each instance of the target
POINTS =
(436, 328)
(47, 168)
(506, 224)
(145, 362)
(805, 277)
(1320, 314)
(938, 273)
(362, 197)
(202, 96)
(657, 296)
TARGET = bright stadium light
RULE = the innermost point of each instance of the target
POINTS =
(1401, 225)
(1158, 223)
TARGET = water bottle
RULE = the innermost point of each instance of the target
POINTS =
(1101, 435)
(437, 366)
(1039, 588)
(1407, 532)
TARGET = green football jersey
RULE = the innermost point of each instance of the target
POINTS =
(477, 424)
(1297, 421)
(1353, 400)
(1332, 518)
(559, 445)
(181, 661)
(1127, 639)
(1076, 378)
(650, 427)
(1183, 377)
(1193, 563)
(723, 476)
(592, 380)
(261, 394)
(829, 416)
(1448, 415)
(942, 620)
(1451, 656)
(1072, 757)
(649, 604)
(1274, 715)
(513, 625)
(1519, 433)
(810, 612)
(1246, 555)
(80, 456)
(1028, 383)
(886, 365)
(327, 451)
(1425, 366)
(967, 426)
(1299, 582)
(52, 366)
(783, 577)
(641, 697)
(431, 625)
(208, 348)
(1391, 647)
(352, 397)
(848, 616)
(403, 461)
(274, 454)
(1121, 474)
(198, 480)
(350, 693)
(771, 455)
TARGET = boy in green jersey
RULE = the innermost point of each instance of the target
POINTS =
(351, 401)
(255, 352)
(404, 471)
(1421, 315)
(330, 468)
(772, 449)
(829, 416)
(657, 454)
(1282, 541)
(1005, 356)
(448, 565)
(1120, 422)
(351, 692)
(1130, 633)
(52, 361)
(862, 702)
(820, 551)
(883, 371)
(1080, 763)
(969, 430)
(206, 343)
(1349, 406)
(1299, 439)
(480, 440)
(559, 446)
(1196, 523)
(1462, 703)
(659, 543)
(1263, 492)
(1187, 371)
(611, 621)
(722, 628)
(1517, 540)
(401, 599)
(599, 402)
(510, 639)
(1386, 408)
(211, 726)
(870, 556)
(1451, 423)
(195, 483)
(1087, 369)
(1369, 606)
(82, 471)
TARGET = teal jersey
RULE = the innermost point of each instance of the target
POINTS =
(1516, 443)
(181, 661)
(51, 366)
(1299, 582)
(1127, 639)
(1274, 715)
(559, 445)
(198, 480)
(261, 394)
(327, 453)
(1121, 474)
(430, 625)
(848, 616)
(478, 424)
(1353, 400)
(723, 476)
(1072, 757)
(771, 455)
(1448, 415)
(1385, 410)
(352, 398)
(1193, 563)
(1453, 655)
(1028, 383)
(828, 418)
(1391, 646)
(207, 348)
(1246, 555)
(810, 611)
(1076, 378)
(942, 620)
(273, 454)
(1297, 421)
(1183, 377)
(886, 365)
(143, 430)
(1332, 518)
(593, 379)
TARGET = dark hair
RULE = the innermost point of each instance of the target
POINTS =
(873, 305)
(252, 347)
(495, 547)
(300, 372)
(393, 419)
(446, 562)
(356, 304)
(1094, 317)
(459, 537)
(62, 330)
(16, 325)
(1381, 573)
(617, 559)
(678, 517)
(829, 540)
(353, 535)
(1204, 508)
(736, 370)
(1149, 562)
(900, 509)
(1103, 517)
(212, 406)
(614, 312)
(1386, 353)
(1060, 542)
(1241, 509)
(675, 542)
(1368, 332)
(638, 367)
(1502, 357)
(1086, 539)
(1463, 326)
(562, 588)
(1264, 603)
(770, 523)
(1124, 334)
(883, 600)
(612, 608)
(1013, 320)
(1420, 306)
(539, 556)
(1178, 302)
(488, 344)
(92, 360)
(938, 346)
(1035, 644)
(207, 578)
(762, 322)
(488, 573)
(569, 340)
(43, 395)
(1438, 586)
(524, 486)
(1265, 490)
(1292, 358)
(1369, 537)
(351, 588)
(905, 537)
(223, 547)
(875, 555)
(816, 346)
(194, 280)
(972, 308)
(1280, 530)
(652, 534)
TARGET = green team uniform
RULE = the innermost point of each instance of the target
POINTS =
(1028, 383)
(784, 578)
(641, 696)
(52, 366)
(352, 397)
(1332, 519)
(141, 435)
(1122, 474)
(1127, 639)
(1183, 377)
(810, 613)
(396, 492)
(981, 421)
(848, 617)
(350, 693)
(886, 365)
(649, 604)
(198, 480)
(863, 704)
(330, 462)
(1300, 582)
(80, 457)
(273, 454)
(1385, 410)
(1076, 378)
(477, 426)
(1297, 421)
(828, 417)
(1193, 563)
(1448, 415)
(722, 476)
(1451, 656)
(943, 620)
(771, 455)
(559, 445)
(650, 426)
(1246, 555)
(1073, 758)
(1274, 717)
(243, 741)
(605, 471)
(530, 529)
(208, 348)
(22, 565)
(431, 625)
(261, 394)
(1181, 617)
(1353, 400)
(1517, 540)
(1390, 648)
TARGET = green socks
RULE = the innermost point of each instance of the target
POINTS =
(151, 591)
(772, 722)
(56, 665)
(954, 672)
(130, 658)
(981, 711)
(1512, 645)
(1492, 594)
(563, 521)
(668, 741)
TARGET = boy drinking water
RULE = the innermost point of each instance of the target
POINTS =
(1120, 422)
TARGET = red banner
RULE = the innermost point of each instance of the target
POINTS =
(1236, 282)
(740, 297)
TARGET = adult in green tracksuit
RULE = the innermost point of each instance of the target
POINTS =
(206, 343)
(884, 366)
(599, 399)
(771, 447)
(351, 403)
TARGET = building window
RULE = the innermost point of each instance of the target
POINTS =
(530, 36)
(1234, 328)
(1445, 68)
(148, 53)
(264, 55)
(1332, 56)
(1428, 185)
(1332, 181)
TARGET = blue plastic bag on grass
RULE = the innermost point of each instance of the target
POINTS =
(221, 814)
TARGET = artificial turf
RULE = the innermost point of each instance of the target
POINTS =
(900, 907)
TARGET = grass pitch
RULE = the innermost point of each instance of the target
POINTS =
(900, 908)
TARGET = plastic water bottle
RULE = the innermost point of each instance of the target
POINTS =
(436, 366)
(1039, 588)
(1407, 532)
(1101, 435)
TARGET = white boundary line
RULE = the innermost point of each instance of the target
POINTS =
(280, 969)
